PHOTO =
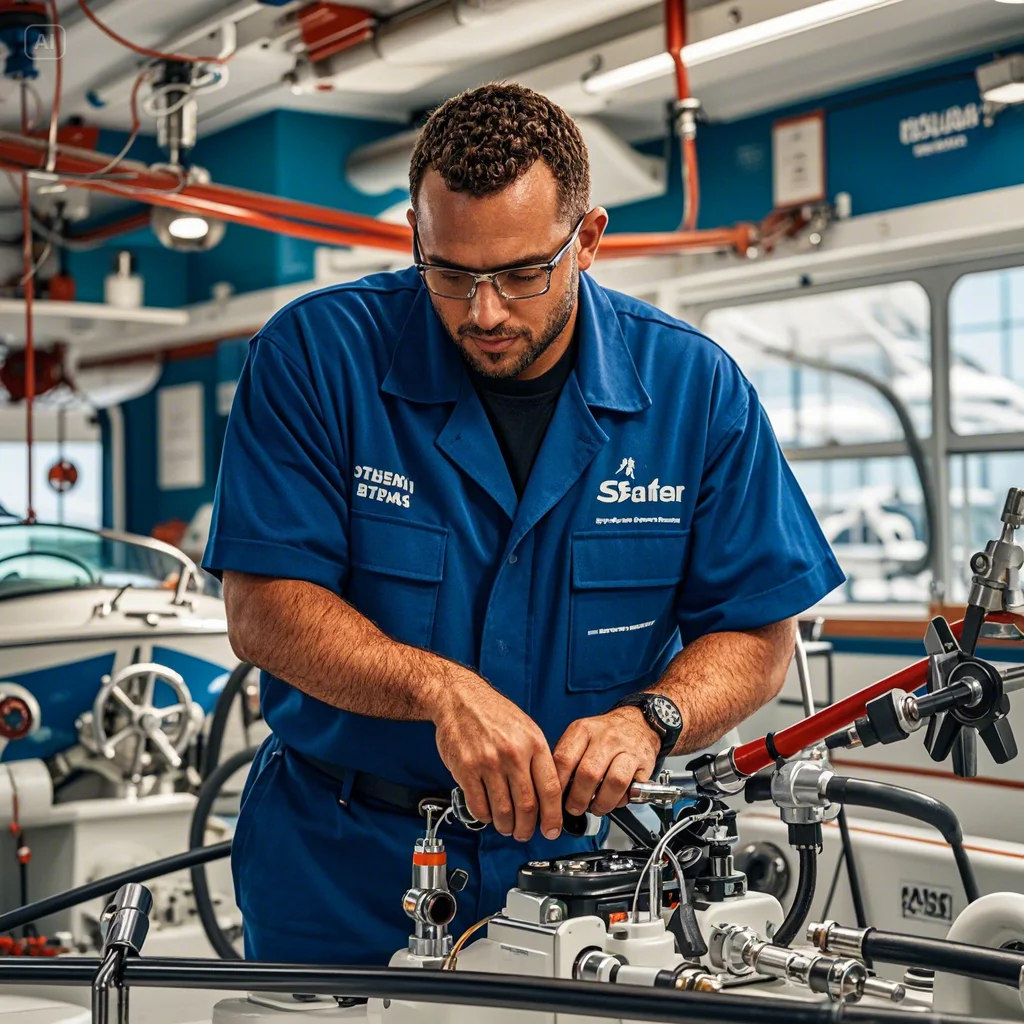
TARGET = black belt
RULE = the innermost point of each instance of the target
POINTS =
(372, 787)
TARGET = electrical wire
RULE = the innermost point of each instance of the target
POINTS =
(654, 861)
(449, 962)
(180, 58)
(834, 884)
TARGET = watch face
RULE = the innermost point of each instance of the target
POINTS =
(666, 712)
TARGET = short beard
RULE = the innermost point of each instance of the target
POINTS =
(535, 348)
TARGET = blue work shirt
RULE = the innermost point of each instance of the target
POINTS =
(358, 457)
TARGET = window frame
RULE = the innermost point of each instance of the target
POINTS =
(938, 280)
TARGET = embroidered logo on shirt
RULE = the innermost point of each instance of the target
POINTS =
(622, 490)
(383, 485)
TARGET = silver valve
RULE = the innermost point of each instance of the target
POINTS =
(740, 951)
(996, 580)
(430, 900)
(125, 920)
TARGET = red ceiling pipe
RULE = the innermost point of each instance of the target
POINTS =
(314, 223)
(28, 263)
(751, 757)
(149, 184)
(675, 40)
(114, 229)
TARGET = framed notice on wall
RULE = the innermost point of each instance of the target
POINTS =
(798, 160)
(180, 437)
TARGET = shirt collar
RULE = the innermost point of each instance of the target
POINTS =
(426, 366)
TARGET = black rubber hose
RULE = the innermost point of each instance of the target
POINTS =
(104, 886)
(759, 787)
(996, 965)
(460, 987)
(882, 796)
(208, 793)
(806, 883)
(515, 993)
(221, 713)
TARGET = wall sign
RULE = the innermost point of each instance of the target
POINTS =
(798, 160)
(180, 437)
(939, 131)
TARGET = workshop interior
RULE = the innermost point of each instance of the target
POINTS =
(831, 190)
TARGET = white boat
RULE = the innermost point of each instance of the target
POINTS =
(79, 605)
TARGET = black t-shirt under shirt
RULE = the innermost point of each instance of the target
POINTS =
(520, 411)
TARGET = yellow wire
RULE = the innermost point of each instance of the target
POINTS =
(448, 964)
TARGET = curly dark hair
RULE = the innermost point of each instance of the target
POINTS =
(484, 139)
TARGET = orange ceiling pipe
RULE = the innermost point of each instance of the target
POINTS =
(309, 221)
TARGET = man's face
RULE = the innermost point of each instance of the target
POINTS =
(520, 225)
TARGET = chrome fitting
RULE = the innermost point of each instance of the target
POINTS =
(693, 979)
(719, 777)
(125, 920)
(798, 790)
(830, 937)
(430, 906)
(596, 965)
(890, 991)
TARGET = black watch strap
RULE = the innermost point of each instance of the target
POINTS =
(661, 714)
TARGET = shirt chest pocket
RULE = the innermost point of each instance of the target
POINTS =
(396, 568)
(622, 605)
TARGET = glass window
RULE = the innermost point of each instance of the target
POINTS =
(884, 330)
(977, 490)
(987, 352)
(871, 511)
(42, 558)
(81, 506)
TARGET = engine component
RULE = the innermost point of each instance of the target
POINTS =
(19, 713)
(597, 965)
(766, 868)
(741, 952)
(600, 883)
(125, 923)
(429, 901)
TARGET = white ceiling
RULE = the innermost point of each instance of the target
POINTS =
(893, 38)
(901, 35)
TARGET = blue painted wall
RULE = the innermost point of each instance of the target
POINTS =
(145, 504)
(302, 156)
(865, 153)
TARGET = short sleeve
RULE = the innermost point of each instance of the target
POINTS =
(757, 554)
(281, 504)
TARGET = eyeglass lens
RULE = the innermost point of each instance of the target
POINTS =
(512, 284)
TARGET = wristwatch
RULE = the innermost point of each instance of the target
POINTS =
(660, 713)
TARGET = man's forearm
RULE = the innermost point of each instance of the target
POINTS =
(723, 678)
(321, 645)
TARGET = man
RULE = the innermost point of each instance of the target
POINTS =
(465, 511)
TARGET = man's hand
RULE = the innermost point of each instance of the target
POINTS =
(604, 755)
(500, 758)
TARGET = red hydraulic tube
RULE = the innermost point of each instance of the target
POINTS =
(750, 758)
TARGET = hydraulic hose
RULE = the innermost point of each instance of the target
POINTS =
(221, 713)
(996, 965)
(807, 882)
(881, 796)
(105, 886)
(208, 793)
(462, 988)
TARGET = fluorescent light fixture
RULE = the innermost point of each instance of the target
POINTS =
(735, 41)
(1010, 1)
(189, 228)
(1002, 81)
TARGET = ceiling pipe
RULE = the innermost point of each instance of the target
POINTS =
(335, 227)
(686, 108)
